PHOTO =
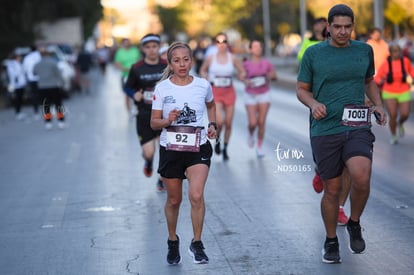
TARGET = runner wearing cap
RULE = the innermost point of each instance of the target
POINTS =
(140, 84)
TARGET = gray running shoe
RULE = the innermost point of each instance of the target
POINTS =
(173, 256)
(196, 251)
(225, 155)
(330, 253)
(356, 242)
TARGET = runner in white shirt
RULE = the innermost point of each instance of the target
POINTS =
(29, 61)
(16, 83)
(178, 108)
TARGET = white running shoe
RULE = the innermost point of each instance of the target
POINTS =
(260, 152)
(250, 141)
(48, 125)
(20, 116)
(393, 140)
(401, 130)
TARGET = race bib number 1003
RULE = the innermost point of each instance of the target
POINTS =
(356, 116)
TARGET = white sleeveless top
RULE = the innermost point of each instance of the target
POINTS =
(220, 70)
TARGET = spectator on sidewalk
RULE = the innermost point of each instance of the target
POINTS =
(29, 61)
(16, 83)
(84, 65)
(50, 88)
(102, 56)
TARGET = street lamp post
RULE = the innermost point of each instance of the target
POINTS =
(379, 14)
(266, 27)
(302, 11)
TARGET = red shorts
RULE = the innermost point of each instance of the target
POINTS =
(224, 95)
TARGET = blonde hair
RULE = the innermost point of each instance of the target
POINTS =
(176, 45)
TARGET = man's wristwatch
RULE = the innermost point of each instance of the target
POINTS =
(212, 123)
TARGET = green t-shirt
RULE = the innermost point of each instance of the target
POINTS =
(337, 78)
(127, 58)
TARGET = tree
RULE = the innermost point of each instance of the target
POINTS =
(362, 10)
(18, 17)
(171, 20)
(395, 14)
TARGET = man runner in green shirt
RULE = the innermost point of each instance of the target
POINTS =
(333, 79)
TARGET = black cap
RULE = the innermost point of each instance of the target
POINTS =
(341, 10)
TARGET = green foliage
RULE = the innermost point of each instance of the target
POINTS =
(283, 19)
(226, 14)
(395, 13)
(171, 20)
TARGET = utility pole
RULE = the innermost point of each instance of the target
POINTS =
(379, 14)
(266, 27)
(302, 11)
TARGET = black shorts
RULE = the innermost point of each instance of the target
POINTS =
(173, 164)
(331, 152)
(144, 130)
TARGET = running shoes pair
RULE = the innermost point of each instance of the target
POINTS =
(196, 251)
(330, 251)
(259, 150)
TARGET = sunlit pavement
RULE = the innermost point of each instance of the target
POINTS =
(75, 201)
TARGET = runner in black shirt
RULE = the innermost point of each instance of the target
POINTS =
(140, 84)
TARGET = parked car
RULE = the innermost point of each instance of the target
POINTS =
(68, 51)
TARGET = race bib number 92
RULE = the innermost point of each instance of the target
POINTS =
(183, 138)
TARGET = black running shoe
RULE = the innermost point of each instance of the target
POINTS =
(173, 256)
(160, 185)
(148, 168)
(356, 242)
(225, 155)
(196, 251)
(330, 253)
(217, 148)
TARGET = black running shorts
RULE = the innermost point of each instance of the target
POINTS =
(173, 164)
(331, 152)
(144, 130)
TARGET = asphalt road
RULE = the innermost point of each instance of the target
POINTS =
(76, 202)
